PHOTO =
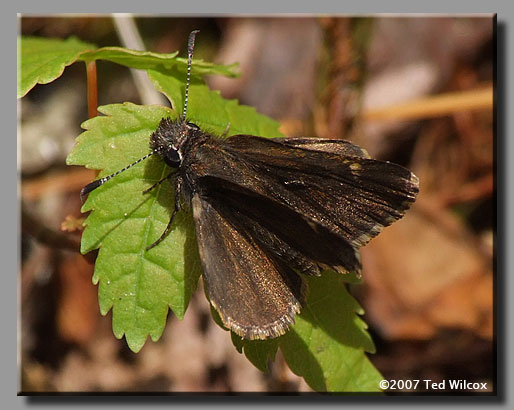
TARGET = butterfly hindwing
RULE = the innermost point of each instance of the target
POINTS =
(256, 295)
(287, 235)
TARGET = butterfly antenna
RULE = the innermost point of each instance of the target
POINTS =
(95, 184)
(190, 49)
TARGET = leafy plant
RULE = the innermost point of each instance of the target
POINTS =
(327, 344)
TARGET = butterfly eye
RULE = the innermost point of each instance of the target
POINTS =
(172, 157)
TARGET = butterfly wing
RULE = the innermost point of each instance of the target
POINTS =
(341, 147)
(255, 293)
(352, 195)
(319, 200)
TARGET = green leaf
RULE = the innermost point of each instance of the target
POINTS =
(351, 278)
(132, 58)
(139, 285)
(145, 60)
(42, 60)
(258, 352)
(209, 110)
(327, 344)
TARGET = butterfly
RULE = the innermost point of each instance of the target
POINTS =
(268, 211)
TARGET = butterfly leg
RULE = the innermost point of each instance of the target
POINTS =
(227, 128)
(159, 182)
(175, 210)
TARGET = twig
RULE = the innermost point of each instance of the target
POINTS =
(45, 235)
(130, 38)
(436, 106)
(92, 89)
(69, 181)
(482, 187)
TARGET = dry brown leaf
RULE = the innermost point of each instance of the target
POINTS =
(78, 311)
(420, 276)
(72, 224)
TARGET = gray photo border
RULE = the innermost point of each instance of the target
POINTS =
(504, 267)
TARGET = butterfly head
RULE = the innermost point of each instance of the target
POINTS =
(171, 139)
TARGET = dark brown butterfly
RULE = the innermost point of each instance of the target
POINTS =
(268, 211)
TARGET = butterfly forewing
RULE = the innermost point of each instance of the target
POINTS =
(353, 197)
(341, 147)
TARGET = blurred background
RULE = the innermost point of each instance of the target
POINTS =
(413, 90)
